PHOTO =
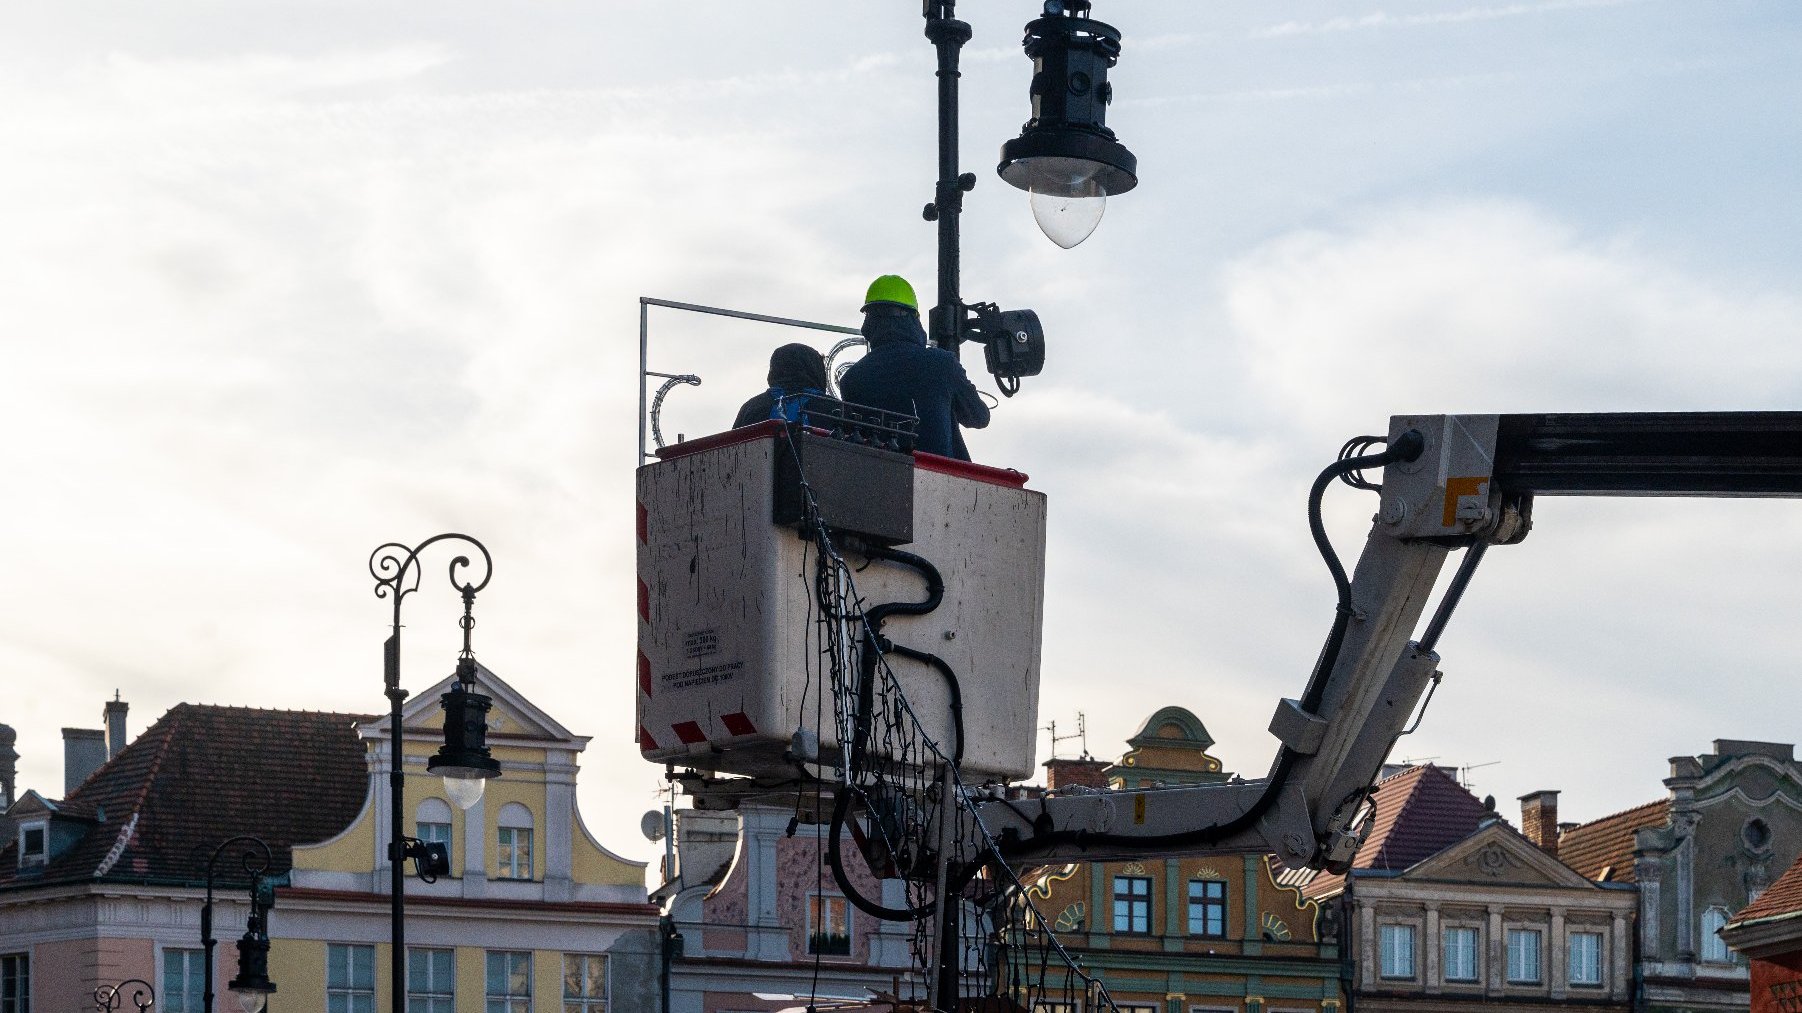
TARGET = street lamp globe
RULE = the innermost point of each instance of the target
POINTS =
(1065, 156)
(463, 761)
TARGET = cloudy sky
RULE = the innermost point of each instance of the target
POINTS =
(282, 281)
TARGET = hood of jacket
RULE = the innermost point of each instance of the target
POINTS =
(897, 326)
(797, 367)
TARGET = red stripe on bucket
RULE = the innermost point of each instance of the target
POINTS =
(644, 673)
(645, 742)
(689, 732)
(644, 600)
(644, 524)
(738, 724)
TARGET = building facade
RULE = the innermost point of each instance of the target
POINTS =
(1731, 823)
(1448, 907)
(107, 884)
(1186, 935)
(1769, 933)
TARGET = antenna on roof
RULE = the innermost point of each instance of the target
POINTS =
(1082, 732)
(1464, 780)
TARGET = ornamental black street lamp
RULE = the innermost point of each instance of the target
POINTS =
(1066, 157)
(463, 760)
(252, 986)
(111, 997)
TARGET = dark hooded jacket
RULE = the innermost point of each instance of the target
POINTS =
(902, 373)
(794, 369)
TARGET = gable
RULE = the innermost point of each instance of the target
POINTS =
(1497, 855)
(510, 717)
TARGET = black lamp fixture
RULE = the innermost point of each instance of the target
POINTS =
(112, 997)
(463, 760)
(252, 986)
(1065, 156)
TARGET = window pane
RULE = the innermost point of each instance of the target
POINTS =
(1460, 954)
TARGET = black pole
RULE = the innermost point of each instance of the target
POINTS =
(390, 565)
(254, 871)
(949, 35)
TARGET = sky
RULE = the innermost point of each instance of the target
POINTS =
(280, 282)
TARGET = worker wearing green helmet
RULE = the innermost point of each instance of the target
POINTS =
(903, 373)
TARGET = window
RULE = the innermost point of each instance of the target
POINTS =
(15, 983)
(434, 822)
(1460, 954)
(509, 981)
(184, 982)
(431, 980)
(1586, 958)
(1714, 948)
(34, 844)
(828, 926)
(1523, 956)
(1395, 944)
(1207, 908)
(514, 855)
(584, 983)
(349, 978)
(1132, 904)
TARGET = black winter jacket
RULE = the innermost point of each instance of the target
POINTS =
(902, 373)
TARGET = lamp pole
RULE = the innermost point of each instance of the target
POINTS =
(464, 757)
(253, 950)
(947, 35)
(109, 997)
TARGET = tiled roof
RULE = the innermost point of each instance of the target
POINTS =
(199, 776)
(1419, 813)
(1603, 849)
(1781, 898)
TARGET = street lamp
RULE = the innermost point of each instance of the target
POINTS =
(110, 997)
(252, 985)
(463, 760)
(1066, 157)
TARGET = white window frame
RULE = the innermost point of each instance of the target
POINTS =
(1598, 959)
(20, 962)
(42, 855)
(823, 901)
(1523, 932)
(437, 996)
(588, 1003)
(1388, 934)
(507, 1001)
(352, 991)
(1476, 954)
(1714, 949)
(178, 998)
(512, 821)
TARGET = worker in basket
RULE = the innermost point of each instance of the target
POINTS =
(902, 373)
(797, 375)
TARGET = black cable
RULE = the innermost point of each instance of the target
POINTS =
(957, 697)
(1406, 447)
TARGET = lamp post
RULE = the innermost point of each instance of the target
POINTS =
(1065, 157)
(252, 985)
(109, 997)
(463, 760)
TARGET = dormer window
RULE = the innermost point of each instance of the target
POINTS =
(34, 844)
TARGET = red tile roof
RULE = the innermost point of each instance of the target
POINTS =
(1419, 813)
(199, 776)
(1603, 849)
(1783, 898)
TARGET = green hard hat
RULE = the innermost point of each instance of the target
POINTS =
(891, 288)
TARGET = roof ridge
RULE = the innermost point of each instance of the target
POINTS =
(1630, 810)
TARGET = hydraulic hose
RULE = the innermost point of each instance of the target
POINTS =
(872, 648)
(1406, 447)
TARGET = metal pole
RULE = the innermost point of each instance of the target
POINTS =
(947, 956)
(948, 35)
(644, 363)
(255, 871)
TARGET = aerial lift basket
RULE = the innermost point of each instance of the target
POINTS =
(729, 636)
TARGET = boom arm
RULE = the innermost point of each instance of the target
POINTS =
(1449, 481)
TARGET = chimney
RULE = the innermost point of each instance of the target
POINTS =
(114, 718)
(1085, 771)
(84, 750)
(1539, 820)
(9, 766)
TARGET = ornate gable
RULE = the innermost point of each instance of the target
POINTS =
(1496, 854)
